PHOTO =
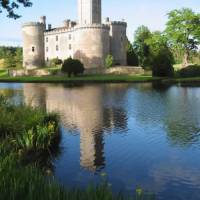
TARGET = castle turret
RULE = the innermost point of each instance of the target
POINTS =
(118, 42)
(89, 12)
(33, 45)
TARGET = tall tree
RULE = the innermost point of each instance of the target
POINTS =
(11, 5)
(132, 59)
(141, 48)
(183, 29)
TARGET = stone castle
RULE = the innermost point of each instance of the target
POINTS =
(88, 40)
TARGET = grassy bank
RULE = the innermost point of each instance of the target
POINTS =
(29, 139)
(81, 79)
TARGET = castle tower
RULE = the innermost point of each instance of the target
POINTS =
(33, 45)
(89, 12)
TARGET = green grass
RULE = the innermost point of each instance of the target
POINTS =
(84, 79)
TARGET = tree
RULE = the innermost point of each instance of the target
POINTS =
(140, 46)
(183, 29)
(11, 5)
(72, 66)
(161, 58)
(132, 59)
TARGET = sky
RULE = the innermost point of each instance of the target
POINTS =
(151, 13)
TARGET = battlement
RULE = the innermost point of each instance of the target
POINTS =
(93, 26)
(32, 24)
(120, 23)
(58, 30)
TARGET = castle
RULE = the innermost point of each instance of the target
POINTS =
(88, 40)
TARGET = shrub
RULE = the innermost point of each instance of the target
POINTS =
(72, 66)
(162, 65)
(55, 62)
(109, 61)
(190, 71)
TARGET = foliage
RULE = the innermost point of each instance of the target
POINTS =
(183, 30)
(109, 61)
(12, 56)
(190, 71)
(11, 5)
(132, 59)
(162, 65)
(55, 62)
(27, 182)
(142, 49)
(72, 66)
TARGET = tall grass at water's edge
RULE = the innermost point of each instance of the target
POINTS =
(29, 138)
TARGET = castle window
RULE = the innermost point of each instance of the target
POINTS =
(70, 36)
(33, 49)
(47, 49)
(57, 48)
(70, 46)
(47, 39)
(56, 38)
(47, 59)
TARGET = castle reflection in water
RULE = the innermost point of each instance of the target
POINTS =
(85, 109)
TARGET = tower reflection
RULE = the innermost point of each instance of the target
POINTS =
(81, 108)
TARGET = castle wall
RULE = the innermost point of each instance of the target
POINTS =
(118, 42)
(59, 43)
(33, 45)
(92, 44)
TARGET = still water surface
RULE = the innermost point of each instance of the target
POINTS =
(137, 134)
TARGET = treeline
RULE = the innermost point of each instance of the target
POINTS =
(177, 44)
(11, 57)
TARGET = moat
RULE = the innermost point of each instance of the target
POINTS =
(132, 134)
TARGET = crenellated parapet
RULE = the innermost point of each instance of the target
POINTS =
(118, 23)
(93, 26)
(32, 24)
(59, 30)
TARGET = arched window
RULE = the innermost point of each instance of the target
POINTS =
(70, 46)
(56, 38)
(57, 48)
(33, 49)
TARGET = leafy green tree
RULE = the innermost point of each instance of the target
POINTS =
(183, 29)
(161, 58)
(132, 59)
(140, 45)
(11, 5)
(18, 57)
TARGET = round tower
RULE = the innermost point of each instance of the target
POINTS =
(92, 44)
(118, 42)
(33, 45)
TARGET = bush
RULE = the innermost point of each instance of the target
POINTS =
(190, 71)
(55, 62)
(109, 61)
(72, 66)
(162, 65)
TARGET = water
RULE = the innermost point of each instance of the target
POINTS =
(137, 134)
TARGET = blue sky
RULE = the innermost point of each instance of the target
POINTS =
(135, 12)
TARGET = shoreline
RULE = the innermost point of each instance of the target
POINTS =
(91, 79)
